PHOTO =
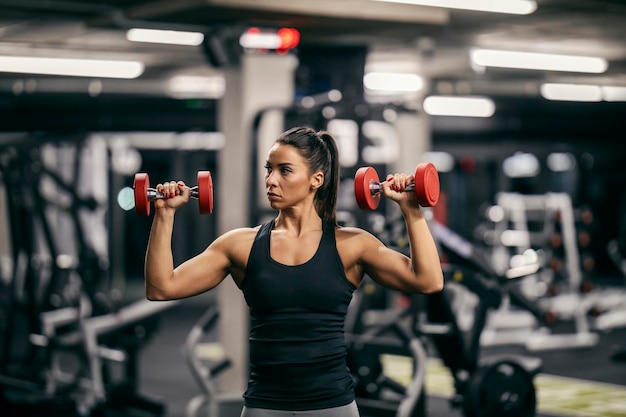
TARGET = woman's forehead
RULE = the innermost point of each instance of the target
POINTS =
(281, 153)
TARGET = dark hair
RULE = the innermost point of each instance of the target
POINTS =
(320, 151)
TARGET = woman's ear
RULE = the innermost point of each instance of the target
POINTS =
(317, 180)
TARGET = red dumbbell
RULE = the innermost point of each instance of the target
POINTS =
(367, 187)
(143, 194)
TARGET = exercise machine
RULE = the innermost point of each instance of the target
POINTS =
(615, 317)
(67, 346)
(489, 386)
(205, 370)
(377, 393)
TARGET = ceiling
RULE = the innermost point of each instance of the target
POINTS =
(435, 41)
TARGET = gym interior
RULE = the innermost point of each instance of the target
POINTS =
(530, 213)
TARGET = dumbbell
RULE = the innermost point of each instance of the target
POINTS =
(367, 187)
(141, 194)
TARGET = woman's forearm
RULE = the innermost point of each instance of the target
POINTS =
(424, 253)
(159, 261)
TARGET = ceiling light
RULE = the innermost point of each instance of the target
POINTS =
(255, 39)
(170, 37)
(282, 39)
(393, 82)
(98, 68)
(610, 93)
(537, 61)
(496, 6)
(196, 86)
(459, 106)
(571, 92)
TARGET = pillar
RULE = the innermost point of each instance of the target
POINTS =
(258, 82)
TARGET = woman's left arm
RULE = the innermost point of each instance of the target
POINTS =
(421, 273)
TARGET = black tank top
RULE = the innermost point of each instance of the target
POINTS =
(297, 346)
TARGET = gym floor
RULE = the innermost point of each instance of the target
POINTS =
(573, 382)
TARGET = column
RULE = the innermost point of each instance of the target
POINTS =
(258, 82)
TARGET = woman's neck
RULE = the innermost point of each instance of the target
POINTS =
(298, 223)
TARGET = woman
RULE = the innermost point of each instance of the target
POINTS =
(297, 273)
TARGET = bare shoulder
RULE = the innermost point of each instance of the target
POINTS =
(355, 240)
(235, 245)
(353, 246)
(239, 238)
(345, 233)
(242, 233)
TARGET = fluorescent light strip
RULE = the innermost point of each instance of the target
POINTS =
(537, 61)
(72, 67)
(260, 40)
(393, 82)
(582, 92)
(169, 37)
(194, 86)
(571, 92)
(459, 106)
(521, 7)
(610, 93)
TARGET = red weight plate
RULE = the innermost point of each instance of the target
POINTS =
(427, 184)
(205, 192)
(364, 197)
(140, 188)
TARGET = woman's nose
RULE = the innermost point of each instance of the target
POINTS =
(270, 179)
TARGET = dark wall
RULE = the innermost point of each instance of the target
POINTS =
(71, 112)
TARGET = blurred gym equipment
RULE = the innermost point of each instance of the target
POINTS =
(615, 317)
(68, 347)
(433, 322)
(378, 394)
(513, 231)
(205, 370)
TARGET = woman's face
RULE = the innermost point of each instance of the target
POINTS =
(288, 181)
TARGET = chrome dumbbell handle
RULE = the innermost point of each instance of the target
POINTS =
(376, 187)
(153, 194)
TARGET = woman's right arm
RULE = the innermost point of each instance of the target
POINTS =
(196, 275)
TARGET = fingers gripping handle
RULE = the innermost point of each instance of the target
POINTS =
(153, 194)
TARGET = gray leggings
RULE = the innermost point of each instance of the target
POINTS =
(349, 410)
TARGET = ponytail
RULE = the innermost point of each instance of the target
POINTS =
(326, 197)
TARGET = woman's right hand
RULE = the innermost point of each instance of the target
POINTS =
(176, 195)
